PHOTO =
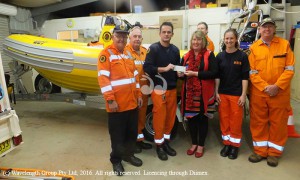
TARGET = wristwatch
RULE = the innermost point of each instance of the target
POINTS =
(110, 101)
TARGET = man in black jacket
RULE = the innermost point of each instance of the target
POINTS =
(160, 61)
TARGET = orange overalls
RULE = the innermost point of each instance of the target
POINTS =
(164, 95)
(231, 118)
(270, 65)
(164, 113)
(118, 79)
(139, 59)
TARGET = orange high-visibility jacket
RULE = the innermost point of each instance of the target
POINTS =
(271, 65)
(118, 78)
(138, 57)
(210, 45)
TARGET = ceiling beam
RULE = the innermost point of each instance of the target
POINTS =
(31, 3)
(59, 6)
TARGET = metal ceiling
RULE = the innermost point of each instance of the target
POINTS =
(79, 8)
(30, 3)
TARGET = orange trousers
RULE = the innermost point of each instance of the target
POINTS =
(142, 118)
(164, 113)
(268, 124)
(231, 118)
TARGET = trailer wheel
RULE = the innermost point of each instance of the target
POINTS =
(148, 130)
(43, 86)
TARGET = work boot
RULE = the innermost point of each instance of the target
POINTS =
(133, 160)
(224, 152)
(272, 161)
(144, 145)
(167, 148)
(233, 153)
(162, 155)
(137, 149)
(118, 169)
(254, 158)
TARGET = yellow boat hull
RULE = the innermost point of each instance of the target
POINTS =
(77, 80)
(67, 64)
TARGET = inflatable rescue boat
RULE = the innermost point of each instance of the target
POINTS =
(67, 64)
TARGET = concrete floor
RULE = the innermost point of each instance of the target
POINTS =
(74, 139)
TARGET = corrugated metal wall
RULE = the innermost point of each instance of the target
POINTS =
(22, 22)
(4, 32)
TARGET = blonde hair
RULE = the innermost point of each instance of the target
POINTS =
(199, 35)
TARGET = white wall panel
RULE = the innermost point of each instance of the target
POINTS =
(215, 33)
(216, 18)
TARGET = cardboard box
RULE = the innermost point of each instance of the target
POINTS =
(235, 4)
(255, 17)
(177, 38)
(295, 88)
(175, 20)
(223, 3)
(151, 36)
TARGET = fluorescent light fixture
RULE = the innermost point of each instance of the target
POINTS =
(8, 10)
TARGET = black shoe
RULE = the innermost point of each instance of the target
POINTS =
(233, 153)
(225, 151)
(118, 169)
(162, 155)
(144, 145)
(167, 148)
(133, 161)
(137, 149)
